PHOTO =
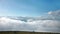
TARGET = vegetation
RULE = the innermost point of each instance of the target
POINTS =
(24, 32)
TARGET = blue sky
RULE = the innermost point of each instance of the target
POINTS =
(28, 7)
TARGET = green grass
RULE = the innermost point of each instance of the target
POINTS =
(24, 32)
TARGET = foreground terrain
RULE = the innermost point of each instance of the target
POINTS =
(24, 32)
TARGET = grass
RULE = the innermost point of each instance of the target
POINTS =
(24, 32)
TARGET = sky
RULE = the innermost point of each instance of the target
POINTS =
(37, 15)
(28, 7)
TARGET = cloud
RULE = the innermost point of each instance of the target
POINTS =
(54, 13)
(41, 24)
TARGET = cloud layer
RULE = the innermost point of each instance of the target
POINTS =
(50, 23)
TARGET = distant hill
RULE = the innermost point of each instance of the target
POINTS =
(24, 32)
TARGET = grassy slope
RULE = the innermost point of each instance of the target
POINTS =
(22, 32)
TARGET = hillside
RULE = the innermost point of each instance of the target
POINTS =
(24, 32)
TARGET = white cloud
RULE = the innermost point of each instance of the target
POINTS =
(50, 12)
(54, 13)
(30, 24)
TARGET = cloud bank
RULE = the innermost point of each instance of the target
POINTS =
(50, 23)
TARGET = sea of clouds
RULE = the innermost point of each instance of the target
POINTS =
(48, 23)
